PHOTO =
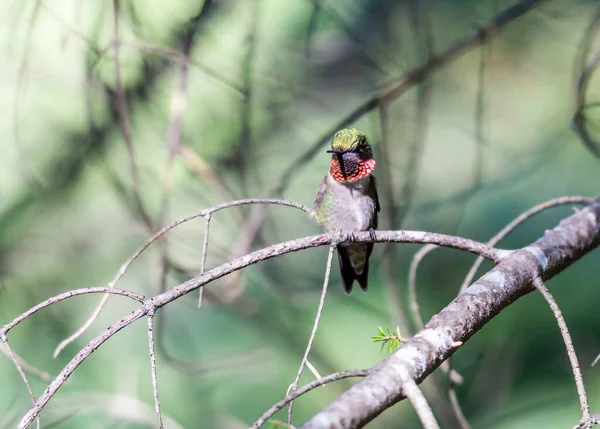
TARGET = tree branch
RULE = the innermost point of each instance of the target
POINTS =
(307, 388)
(586, 418)
(420, 404)
(313, 333)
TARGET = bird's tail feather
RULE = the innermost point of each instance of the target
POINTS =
(348, 272)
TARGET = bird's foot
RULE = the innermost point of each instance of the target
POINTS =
(372, 234)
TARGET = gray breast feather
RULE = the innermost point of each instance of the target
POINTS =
(352, 209)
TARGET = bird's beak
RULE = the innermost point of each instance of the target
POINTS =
(340, 157)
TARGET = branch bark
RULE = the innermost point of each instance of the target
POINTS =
(509, 280)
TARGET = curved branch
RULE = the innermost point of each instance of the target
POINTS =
(66, 295)
(21, 373)
(538, 283)
(304, 389)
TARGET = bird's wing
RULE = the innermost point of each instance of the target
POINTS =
(319, 198)
(376, 198)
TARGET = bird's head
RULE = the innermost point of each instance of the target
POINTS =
(352, 158)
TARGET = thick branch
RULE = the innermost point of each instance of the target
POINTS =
(463, 317)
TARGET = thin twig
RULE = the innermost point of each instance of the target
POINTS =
(153, 367)
(314, 329)
(304, 389)
(21, 372)
(420, 404)
(204, 252)
(138, 252)
(564, 331)
(412, 284)
(65, 295)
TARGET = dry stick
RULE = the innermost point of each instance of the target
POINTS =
(21, 372)
(538, 283)
(304, 389)
(420, 404)
(314, 329)
(132, 258)
(153, 366)
(204, 251)
(227, 268)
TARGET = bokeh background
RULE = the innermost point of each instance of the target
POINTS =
(226, 99)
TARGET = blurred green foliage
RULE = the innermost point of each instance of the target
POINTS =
(483, 139)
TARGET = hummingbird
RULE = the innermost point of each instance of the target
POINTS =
(347, 202)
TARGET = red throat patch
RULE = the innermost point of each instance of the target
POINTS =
(359, 170)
